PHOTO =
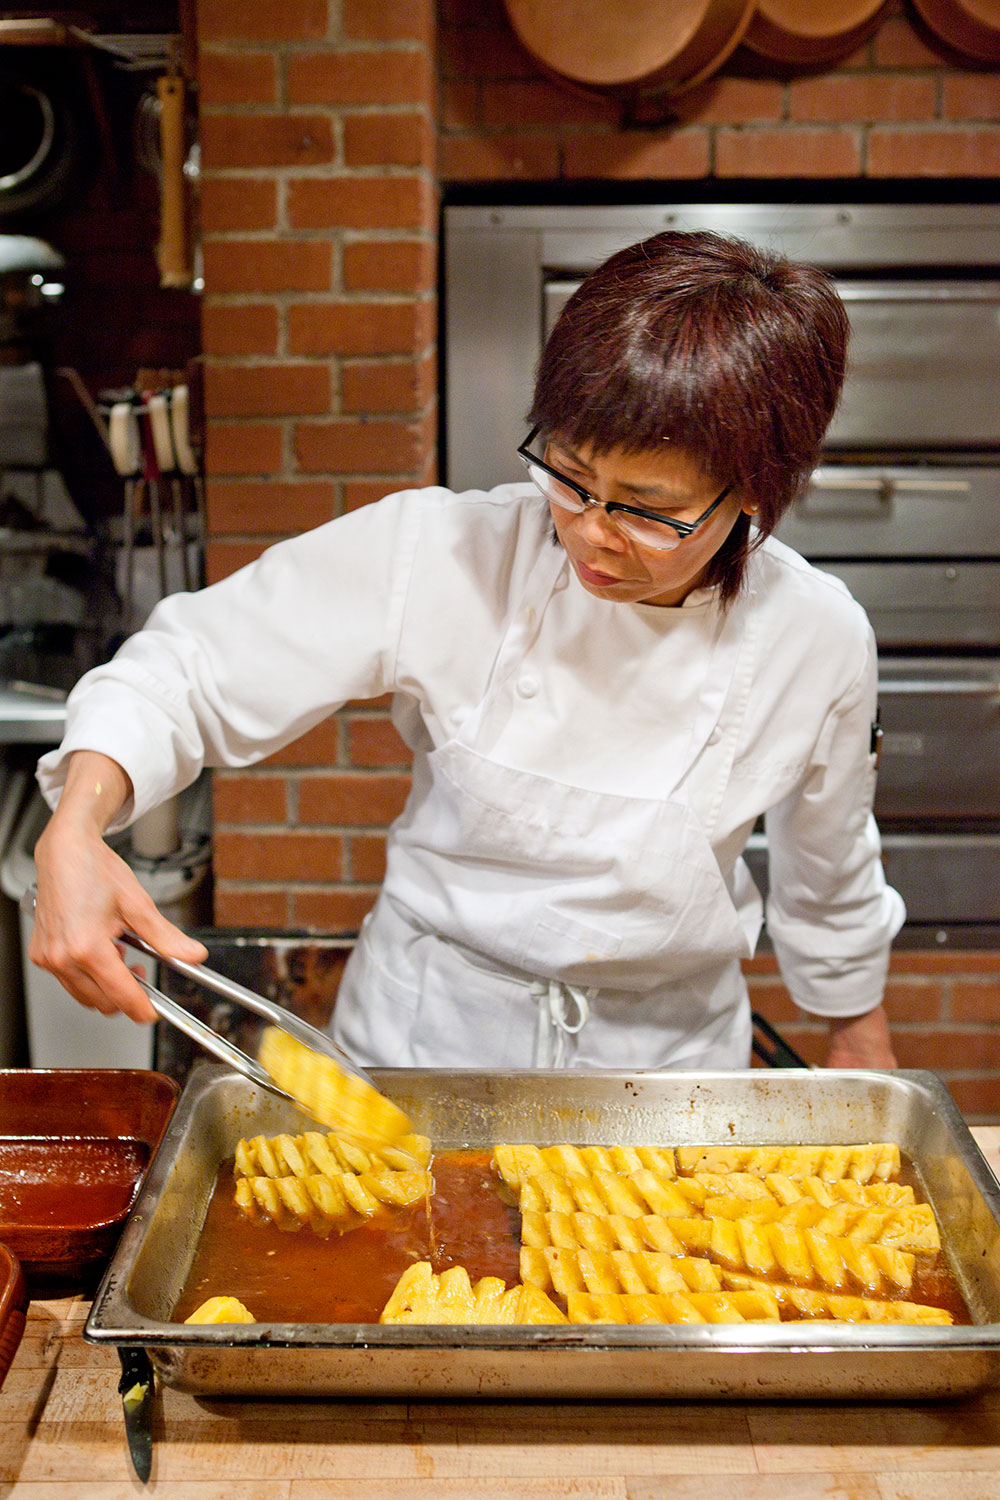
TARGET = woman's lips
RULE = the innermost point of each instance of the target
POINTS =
(592, 576)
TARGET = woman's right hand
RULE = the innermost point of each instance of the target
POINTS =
(87, 896)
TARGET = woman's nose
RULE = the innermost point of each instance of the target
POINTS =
(599, 530)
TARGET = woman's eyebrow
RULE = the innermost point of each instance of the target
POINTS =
(658, 491)
(573, 457)
(652, 491)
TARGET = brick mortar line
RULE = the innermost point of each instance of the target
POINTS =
(862, 69)
(326, 297)
(350, 235)
(273, 362)
(571, 129)
(859, 71)
(337, 886)
(358, 771)
(334, 362)
(601, 128)
(313, 830)
(400, 482)
(933, 1028)
(368, 109)
(298, 47)
(902, 1029)
(360, 419)
(229, 773)
(355, 419)
(326, 172)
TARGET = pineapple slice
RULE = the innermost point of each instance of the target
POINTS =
(420, 1296)
(320, 1199)
(336, 1099)
(221, 1310)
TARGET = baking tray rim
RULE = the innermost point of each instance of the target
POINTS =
(106, 1322)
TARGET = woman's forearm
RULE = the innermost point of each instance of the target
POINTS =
(861, 1041)
(88, 895)
(95, 791)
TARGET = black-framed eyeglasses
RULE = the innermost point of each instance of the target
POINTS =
(647, 527)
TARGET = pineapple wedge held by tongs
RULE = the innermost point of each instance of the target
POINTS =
(294, 1059)
(341, 1100)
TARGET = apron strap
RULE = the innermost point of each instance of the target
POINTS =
(556, 1002)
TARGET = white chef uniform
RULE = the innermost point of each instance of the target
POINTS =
(564, 886)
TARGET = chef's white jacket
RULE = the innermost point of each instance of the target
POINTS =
(411, 597)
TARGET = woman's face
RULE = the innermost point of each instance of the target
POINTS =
(610, 564)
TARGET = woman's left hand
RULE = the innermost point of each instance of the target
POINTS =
(861, 1042)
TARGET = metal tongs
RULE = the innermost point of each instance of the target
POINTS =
(228, 989)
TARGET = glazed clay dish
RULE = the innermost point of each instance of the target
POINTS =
(74, 1147)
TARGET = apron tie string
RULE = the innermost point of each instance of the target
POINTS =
(555, 1000)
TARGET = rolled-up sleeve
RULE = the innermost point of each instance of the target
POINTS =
(229, 675)
(830, 914)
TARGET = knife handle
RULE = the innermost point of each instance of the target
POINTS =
(136, 1368)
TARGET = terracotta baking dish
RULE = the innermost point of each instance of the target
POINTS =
(811, 32)
(13, 1308)
(972, 27)
(634, 45)
(74, 1148)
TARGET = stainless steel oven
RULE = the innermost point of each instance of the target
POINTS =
(905, 507)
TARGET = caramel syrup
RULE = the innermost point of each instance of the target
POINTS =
(295, 1276)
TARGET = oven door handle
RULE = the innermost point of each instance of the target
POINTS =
(980, 687)
(886, 485)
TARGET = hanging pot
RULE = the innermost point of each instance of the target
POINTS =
(632, 46)
(38, 142)
(971, 27)
(810, 32)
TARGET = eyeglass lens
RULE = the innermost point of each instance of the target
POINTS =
(653, 534)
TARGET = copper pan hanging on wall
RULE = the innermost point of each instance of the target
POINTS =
(811, 32)
(971, 27)
(630, 46)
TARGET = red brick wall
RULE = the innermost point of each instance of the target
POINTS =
(326, 131)
(319, 207)
(901, 106)
(943, 1010)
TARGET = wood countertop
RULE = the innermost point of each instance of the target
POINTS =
(62, 1438)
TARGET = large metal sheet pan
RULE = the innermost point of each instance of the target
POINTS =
(798, 1360)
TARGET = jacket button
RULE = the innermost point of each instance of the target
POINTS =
(527, 686)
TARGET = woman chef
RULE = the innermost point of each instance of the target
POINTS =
(606, 673)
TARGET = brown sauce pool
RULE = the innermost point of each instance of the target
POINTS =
(285, 1276)
(294, 1276)
(74, 1181)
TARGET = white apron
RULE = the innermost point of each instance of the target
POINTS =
(524, 922)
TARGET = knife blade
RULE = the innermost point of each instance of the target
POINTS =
(136, 1390)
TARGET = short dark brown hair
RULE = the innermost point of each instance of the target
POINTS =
(735, 354)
